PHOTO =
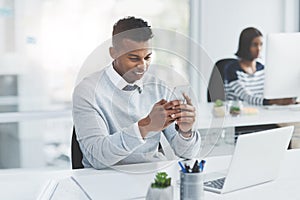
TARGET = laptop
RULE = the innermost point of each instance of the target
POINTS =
(256, 160)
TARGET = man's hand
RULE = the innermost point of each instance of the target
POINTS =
(160, 117)
(186, 115)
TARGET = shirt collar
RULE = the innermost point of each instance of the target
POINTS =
(118, 81)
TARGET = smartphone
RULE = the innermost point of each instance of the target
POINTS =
(177, 93)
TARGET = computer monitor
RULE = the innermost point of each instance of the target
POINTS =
(282, 67)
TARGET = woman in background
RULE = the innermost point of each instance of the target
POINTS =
(244, 79)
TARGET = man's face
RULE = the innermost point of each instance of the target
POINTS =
(132, 59)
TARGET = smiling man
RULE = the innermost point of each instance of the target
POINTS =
(121, 112)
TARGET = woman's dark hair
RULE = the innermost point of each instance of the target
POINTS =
(132, 28)
(246, 37)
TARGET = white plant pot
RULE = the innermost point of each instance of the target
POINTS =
(160, 193)
(219, 111)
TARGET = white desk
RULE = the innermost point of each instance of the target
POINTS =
(34, 115)
(113, 184)
(207, 120)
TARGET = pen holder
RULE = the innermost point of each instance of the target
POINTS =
(191, 186)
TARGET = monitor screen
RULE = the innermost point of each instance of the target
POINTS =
(282, 68)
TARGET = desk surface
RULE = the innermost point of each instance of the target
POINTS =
(113, 184)
(34, 115)
(264, 116)
(205, 117)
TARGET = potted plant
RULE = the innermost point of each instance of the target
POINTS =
(219, 108)
(235, 108)
(161, 189)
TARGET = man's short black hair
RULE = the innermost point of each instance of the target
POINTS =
(132, 28)
(246, 37)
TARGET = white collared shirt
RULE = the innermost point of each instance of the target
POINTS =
(119, 81)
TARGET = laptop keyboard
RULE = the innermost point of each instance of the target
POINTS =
(218, 183)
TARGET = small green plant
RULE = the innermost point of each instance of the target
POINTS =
(161, 180)
(218, 103)
(235, 110)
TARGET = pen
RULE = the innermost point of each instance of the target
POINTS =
(195, 167)
(187, 168)
(201, 165)
(182, 167)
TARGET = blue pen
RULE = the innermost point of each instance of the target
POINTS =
(201, 165)
(182, 167)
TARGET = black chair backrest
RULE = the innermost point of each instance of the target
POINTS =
(76, 154)
(215, 88)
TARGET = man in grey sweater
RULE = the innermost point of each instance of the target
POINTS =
(121, 112)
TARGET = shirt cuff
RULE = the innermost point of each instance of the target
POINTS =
(265, 102)
(181, 135)
(187, 138)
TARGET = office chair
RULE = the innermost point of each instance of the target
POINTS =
(76, 154)
(215, 88)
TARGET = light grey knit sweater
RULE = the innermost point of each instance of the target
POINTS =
(106, 117)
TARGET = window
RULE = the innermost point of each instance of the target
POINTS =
(45, 44)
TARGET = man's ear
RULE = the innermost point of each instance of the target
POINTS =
(113, 52)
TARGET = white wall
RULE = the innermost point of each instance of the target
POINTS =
(220, 23)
